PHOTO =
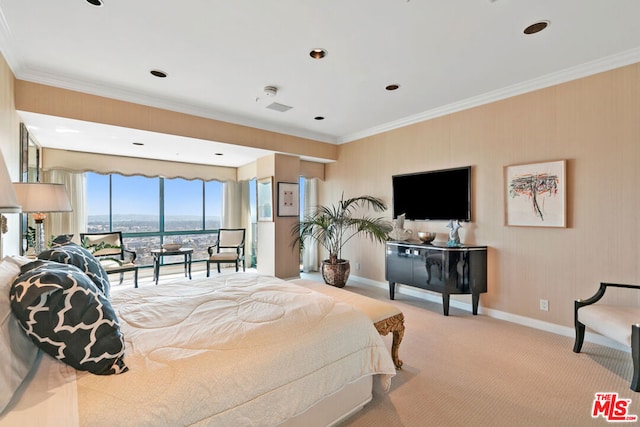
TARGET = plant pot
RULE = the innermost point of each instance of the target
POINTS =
(336, 274)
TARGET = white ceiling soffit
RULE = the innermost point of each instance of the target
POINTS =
(77, 135)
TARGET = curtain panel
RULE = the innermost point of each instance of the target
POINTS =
(74, 222)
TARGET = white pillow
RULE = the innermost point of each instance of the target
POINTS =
(17, 350)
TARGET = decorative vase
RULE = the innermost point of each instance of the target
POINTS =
(336, 274)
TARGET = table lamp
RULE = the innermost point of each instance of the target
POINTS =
(8, 201)
(39, 199)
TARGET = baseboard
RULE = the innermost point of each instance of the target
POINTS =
(497, 314)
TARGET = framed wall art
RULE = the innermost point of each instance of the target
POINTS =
(265, 199)
(535, 194)
(288, 199)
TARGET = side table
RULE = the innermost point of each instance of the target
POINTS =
(159, 253)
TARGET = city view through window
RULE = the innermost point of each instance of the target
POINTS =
(153, 211)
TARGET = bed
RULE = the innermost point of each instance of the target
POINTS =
(241, 349)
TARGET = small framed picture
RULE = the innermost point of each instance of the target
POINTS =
(265, 199)
(535, 194)
(288, 199)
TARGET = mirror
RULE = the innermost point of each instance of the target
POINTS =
(29, 172)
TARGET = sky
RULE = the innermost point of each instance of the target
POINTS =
(140, 195)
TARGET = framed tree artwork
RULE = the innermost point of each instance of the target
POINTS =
(535, 194)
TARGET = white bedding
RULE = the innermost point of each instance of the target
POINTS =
(240, 349)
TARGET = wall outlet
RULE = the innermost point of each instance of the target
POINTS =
(357, 266)
(544, 305)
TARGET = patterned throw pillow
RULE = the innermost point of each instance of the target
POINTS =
(62, 239)
(65, 314)
(74, 254)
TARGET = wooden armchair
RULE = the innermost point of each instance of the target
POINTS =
(618, 322)
(109, 250)
(229, 248)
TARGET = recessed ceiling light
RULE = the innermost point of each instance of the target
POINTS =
(138, 143)
(392, 87)
(96, 2)
(219, 154)
(537, 27)
(158, 73)
(318, 118)
(318, 53)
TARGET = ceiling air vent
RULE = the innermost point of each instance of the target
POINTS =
(278, 107)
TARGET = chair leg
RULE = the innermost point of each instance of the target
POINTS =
(577, 346)
(208, 267)
(635, 355)
(121, 278)
(135, 278)
(218, 267)
(237, 265)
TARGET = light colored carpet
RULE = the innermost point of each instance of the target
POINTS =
(465, 370)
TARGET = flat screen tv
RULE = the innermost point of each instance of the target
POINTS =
(433, 195)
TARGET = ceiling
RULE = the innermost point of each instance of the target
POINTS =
(219, 56)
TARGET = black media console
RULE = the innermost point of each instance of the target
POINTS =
(439, 268)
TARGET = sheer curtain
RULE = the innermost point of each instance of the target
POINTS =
(310, 253)
(74, 222)
(236, 211)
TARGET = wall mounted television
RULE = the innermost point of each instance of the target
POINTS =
(433, 195)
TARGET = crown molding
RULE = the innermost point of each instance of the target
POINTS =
(124, 94)
(594, 67)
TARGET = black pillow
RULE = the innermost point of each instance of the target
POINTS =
(62, 239)
(74, 254)
(67, 316)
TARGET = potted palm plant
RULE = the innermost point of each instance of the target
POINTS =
(333, 226)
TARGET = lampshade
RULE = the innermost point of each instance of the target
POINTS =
(8, 201)
(38, 197)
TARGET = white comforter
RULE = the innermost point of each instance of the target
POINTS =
(240, 349)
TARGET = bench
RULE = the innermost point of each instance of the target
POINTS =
(386, 317)
(620, 323)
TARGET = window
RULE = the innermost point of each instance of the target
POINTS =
(98, 202)
(182, 205)
(134, 204)
(213, 205)
(152, 211)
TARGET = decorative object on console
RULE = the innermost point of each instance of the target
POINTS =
(535, 194)
(39, 199)
(398, 232)
(333, 226)
(454, 236)
(8, 200)
(426, 236)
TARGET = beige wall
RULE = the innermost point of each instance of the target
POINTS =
(9, 145)
(593, 123)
